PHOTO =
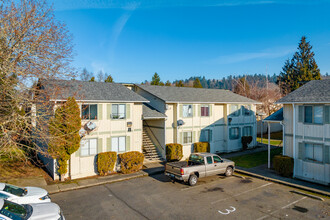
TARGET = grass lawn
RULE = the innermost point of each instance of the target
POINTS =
(275, 138)
(18, 169)
(255, 159)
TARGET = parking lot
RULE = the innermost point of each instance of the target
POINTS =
(156, 197)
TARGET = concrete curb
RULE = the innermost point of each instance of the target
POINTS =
(65, 187)
(309, 189)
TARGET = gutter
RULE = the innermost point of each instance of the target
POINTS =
(100, 101)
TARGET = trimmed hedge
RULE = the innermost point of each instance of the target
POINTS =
(202, 147)
(283, 165)
(131, 162)
(106, 161)
(245, 141)
(174, 152)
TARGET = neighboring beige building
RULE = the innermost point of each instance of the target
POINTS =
(219, 117)
(306, 119)
(115, 110)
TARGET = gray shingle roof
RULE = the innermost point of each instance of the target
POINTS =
(195, 95)
(89, 91)
(276, 116)
(151, 113)
(316, 91)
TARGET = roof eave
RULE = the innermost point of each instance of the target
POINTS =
(323, 102)
(194, 102)
(101, 101)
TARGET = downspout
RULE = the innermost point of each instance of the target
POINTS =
(283, 137)
(294, 136)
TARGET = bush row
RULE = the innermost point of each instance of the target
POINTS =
(130, 162)
(283, 165)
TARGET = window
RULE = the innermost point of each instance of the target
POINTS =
(247, 131)
(88, 147)
(314, 152)
(234, 133)
(89, 112)
(187, 111)
(209, 160)
(205, 110)
(118, 111)
(187, 137)
(246, 110)
(217, 159)
(205, 136)
(234, 110)
(118, 144)
(313, 114)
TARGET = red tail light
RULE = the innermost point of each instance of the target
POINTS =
(181, 171)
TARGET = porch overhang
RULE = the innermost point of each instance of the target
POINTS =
(150, 113)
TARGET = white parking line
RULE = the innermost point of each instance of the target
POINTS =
(267, 184)
(284, 207)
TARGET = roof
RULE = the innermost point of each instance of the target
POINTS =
(275, 117)
(151, 113)
(315, 91)
(171, 94)
(89, 91)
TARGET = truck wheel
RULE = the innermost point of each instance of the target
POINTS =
(229, 171)
(192, 180)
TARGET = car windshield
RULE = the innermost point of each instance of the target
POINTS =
(17, 191)
(196, 159)
(13, 210)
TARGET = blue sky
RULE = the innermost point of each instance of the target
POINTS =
(179, 38)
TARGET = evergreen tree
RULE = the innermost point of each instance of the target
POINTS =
(161, 84)
(155, 80)
(168, 83)
(64, 128)
(300, 69)
(197, 83)
(92, 79)
(109, 79)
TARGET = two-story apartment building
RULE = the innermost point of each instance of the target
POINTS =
(306, 119)
(217, 116)
(115, 110)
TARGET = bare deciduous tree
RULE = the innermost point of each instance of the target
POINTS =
(33, 45)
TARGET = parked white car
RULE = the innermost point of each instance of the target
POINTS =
(25, 195)
(13, 211)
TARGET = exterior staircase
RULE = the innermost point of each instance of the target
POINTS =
(149, 149)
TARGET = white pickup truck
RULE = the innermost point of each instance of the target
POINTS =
(199, 165)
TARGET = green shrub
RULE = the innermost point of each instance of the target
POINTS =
(174, 152)
(245, 141)
(131, 162)
(106, 162)
(283, 165)
(202, 147)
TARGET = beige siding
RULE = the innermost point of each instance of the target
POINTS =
(106, 129)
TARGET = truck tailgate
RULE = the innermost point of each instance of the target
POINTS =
(175, 167)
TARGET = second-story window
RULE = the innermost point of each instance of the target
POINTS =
(313, 114)
(205, 110)
(89, 112)
(187, 111)
(118, 111)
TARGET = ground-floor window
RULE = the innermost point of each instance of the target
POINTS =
(247, 131)
(205, 135)
(313, 152)
(118, 144)
(88, 147)
(234, 133)
(187, 137)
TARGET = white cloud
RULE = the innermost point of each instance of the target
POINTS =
(241, 57)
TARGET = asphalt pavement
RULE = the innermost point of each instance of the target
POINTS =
(157, 197)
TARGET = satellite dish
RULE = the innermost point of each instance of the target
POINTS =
(90, 126)
(82, 132)
(180, 122)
